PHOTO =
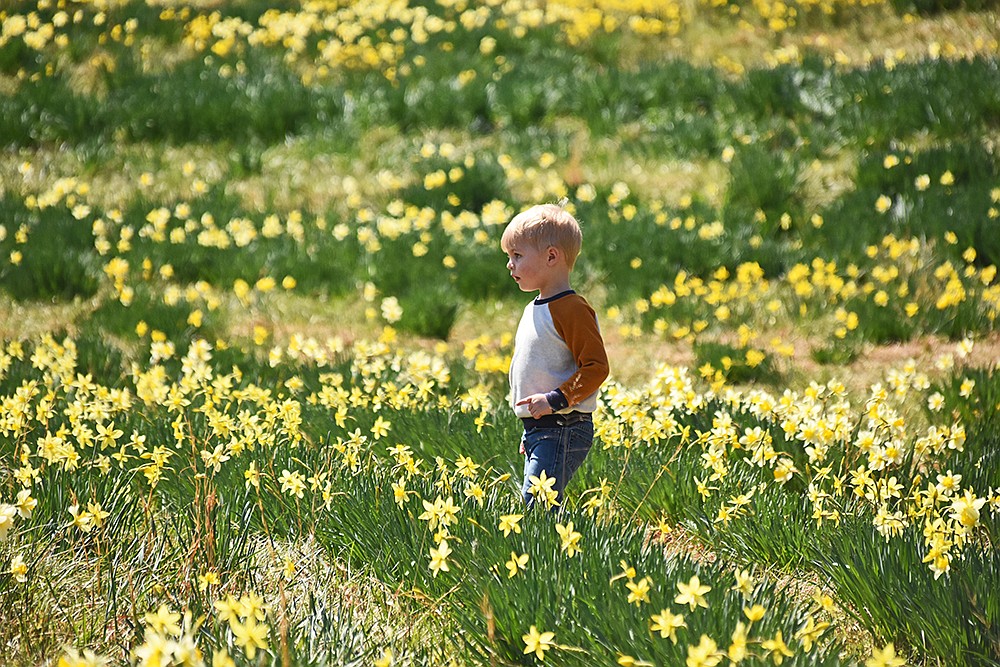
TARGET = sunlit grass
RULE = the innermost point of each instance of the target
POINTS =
(288, 470)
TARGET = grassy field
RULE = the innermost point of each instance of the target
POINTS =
(255, 326)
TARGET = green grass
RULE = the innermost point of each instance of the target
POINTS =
(948, 618)
(723, 204)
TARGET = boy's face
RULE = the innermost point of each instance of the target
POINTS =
(529, 266)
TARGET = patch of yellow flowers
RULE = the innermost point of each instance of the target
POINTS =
(63, 420)
(60, 419)
(326, 37)
(902, 281)
(871, 441)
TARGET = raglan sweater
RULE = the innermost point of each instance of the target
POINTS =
(559, 352)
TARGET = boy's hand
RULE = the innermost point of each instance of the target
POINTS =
(538, 405)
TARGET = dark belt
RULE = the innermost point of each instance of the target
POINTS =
(556, 420)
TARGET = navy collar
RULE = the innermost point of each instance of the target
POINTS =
(542, 302)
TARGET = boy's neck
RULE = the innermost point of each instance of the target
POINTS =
(555, 288)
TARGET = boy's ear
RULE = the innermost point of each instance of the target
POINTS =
(552, 253)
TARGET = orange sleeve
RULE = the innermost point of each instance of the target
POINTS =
(576, 323)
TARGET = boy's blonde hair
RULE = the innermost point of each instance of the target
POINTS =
(542, 226)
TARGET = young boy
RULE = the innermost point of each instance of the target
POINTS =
(559, 358)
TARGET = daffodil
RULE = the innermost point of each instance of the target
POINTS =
(292, 483)
(229, 609)
(885, 657)
(18, 568)
(155, 650)
(86, 658)
(251, 476)
(965, 509)
(569, 539)
(738, 647)
(386, 659)
(466, 467)
(7, 514)
(439, 558)
(538, 642)
(253, 606)
(541, 486)
(163, 621)
(638, 591)
(221, 658)
(754, 613)
(510, 523)
(249, 635)
(692, 593)
(399, 493)
(516, 563)
(667, 623)
(705, 654)
(207, 579)
(744, 583)
(82, 520)
(381, 427)
(777, 648)
(810, 632)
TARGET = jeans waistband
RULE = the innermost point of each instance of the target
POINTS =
(557, 420)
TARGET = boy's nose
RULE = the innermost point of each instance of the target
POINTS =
(510, 265)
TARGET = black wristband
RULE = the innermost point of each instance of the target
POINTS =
(557, 400)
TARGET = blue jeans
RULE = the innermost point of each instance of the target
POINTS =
(558, 451)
